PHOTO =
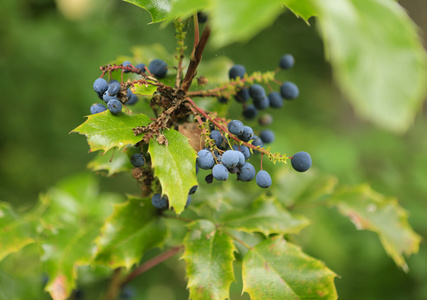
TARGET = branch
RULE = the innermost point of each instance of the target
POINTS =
(196, 57)
(198, 110)
(180, 34)
(151, 263)
(114, 287)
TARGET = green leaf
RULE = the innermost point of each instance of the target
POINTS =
(175, 166)
(372, 211)
(16, 231)
(144, 90)
(131, 230)
(72, 219)
(209, 258)
(158, 9)
(113, 162)
(276, 269)
(105, 131)
(62, 251)
(240, 20)
(264, 216)
(381, 65)
(216, 70)
(186, 8)
(304, 9)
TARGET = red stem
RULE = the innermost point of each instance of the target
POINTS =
(197, 110)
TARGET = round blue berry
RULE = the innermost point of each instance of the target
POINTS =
(235, 127)
(97, 108)
(230, 158)
(193, 190)
(158, 68)
(245, 150)
(286, 61)
(217, 137)
(107, 97)
(267, 136)
(262, 103)
(247, 134)
(137, 160)
(159, 202)
(140, 67)
(257, 92)
(113, 87)
(100, 85)
(289, 90)
(263, 179)
(242, 95)
(246, 173)
(205, 159)
(250, 112)
(115, 106)
(126, 63)
(237, 71)
(275, 99)
(220, 172)
(301, 161)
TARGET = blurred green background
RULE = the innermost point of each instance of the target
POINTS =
(50, 53)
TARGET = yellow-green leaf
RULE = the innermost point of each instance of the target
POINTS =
(372, 211)
(277, 269)
(175, 166)
(105, 130)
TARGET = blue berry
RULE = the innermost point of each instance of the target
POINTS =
(289, 90)
(242, 95)
(246, 173)
(127, 293)
(250, 112)
(137, 160)
(159, 202)
(257, 142)
(286, 61)
(262, 103)
(113, 87)
(245, 150)
(140, 67)
(205, 159)
(115, 106)
(220, 172)
(193, 190)
(132, 100)
(230, 158)
(97, 108)
(202, 17)
(222, 100)
(263, 179)
(100, 85)
(217, 137)
(247, 134)
(107, 97)
(301, 161)
(275, 99)
(257, 92)
(126, 63)
(235, 127)
(237, 71)
(241, 158)
(158, 68)
(267, 136)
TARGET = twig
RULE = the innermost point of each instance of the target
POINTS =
(198, 110)
(195, 60)
(180, 34)
(151, 263)
(115, 285)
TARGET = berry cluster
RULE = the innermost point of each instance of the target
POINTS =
(115, 94)
(224, 158)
